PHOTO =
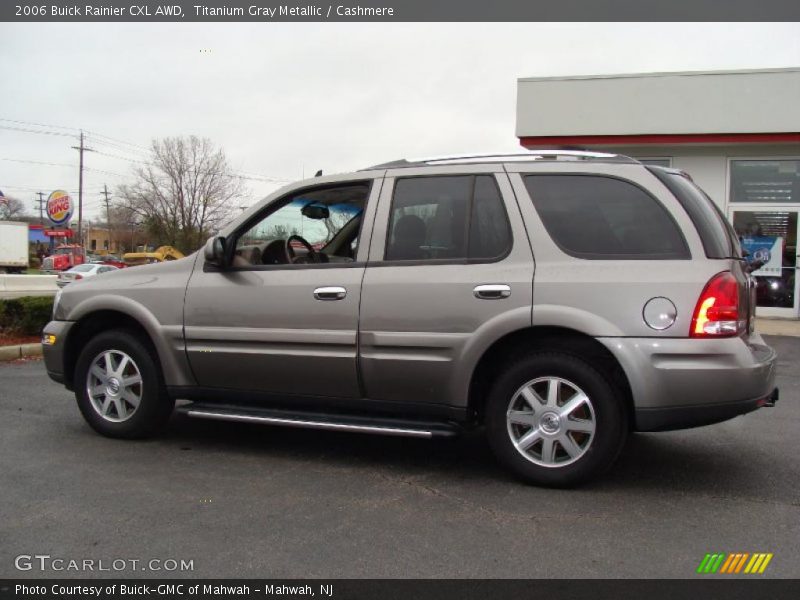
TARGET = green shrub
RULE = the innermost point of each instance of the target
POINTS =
(25, 316)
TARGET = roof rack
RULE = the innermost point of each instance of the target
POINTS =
(534, 155)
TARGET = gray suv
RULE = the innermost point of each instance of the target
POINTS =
(558, 299)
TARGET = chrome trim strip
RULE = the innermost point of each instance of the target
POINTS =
(420, 433)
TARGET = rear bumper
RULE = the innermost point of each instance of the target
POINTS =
(685, 417)
(679, 382)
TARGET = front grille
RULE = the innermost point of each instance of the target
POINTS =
(47, 264)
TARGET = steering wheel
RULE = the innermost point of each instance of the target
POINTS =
(312, 256)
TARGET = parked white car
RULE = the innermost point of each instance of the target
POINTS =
(82, 272)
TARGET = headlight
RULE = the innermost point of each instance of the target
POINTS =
(56, 300)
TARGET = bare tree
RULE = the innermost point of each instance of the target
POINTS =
(184, 192)
(11, 208)
(125, 229)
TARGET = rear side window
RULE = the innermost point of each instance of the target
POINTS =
(447, 218)
(598, 217)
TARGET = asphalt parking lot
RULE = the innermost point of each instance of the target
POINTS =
(252, 501)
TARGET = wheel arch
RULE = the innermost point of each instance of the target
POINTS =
(92, 323)
(551, 338)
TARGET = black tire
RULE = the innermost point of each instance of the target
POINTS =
(609, 414)
(154, 407)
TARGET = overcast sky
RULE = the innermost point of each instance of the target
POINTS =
(288, 99)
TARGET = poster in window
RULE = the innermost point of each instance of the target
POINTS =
(766, 249)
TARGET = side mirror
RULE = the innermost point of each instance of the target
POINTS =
(214, 251)
(315, 211)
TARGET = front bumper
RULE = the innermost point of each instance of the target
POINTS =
(54, 353)
(678, 383)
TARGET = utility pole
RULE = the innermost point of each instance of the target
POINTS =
(40, 206)
(81, 149)
(108, 217)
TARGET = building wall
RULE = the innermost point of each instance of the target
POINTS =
(762, 101)
(98, 240)
(708, 165)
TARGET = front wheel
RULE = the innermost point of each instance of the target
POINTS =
(119, 386)
(554, 420)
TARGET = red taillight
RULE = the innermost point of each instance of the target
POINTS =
(717, 311)
(78, 276)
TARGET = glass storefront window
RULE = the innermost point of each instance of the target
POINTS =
(765, 181)
(770, 239)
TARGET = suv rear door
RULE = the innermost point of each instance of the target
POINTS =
(450, 270)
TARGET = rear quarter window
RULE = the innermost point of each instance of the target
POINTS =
(713, 228)
(600, 217)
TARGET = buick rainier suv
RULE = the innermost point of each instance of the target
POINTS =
(557, 300)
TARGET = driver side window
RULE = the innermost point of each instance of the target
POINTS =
(318, 225)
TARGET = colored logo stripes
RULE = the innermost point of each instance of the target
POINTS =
(736, 562)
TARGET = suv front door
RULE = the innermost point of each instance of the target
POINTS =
(268, 325)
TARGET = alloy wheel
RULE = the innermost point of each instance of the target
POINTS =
(551, 421)
(114, 385)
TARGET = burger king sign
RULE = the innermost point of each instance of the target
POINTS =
(59, 207)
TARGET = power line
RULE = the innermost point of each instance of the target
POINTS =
(67, 165)
(93, 170)
(122, 157)
(39, 162)
(39, 124)
(235, 173)
(37, 131)
(117, 141)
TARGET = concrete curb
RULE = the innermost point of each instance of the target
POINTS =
(16, 352)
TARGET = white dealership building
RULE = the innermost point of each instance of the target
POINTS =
(737, 133)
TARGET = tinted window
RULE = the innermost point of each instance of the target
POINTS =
(711, 226)
(447, 218)
(591, 216)
(489, 233)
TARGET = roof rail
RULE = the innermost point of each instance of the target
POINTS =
(533, 155)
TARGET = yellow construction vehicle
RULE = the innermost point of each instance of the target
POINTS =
(160, 254)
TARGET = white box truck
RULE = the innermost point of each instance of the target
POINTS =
(13, 247)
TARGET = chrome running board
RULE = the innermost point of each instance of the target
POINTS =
(330, 422)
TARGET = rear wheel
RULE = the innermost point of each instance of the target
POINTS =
(554, 420)
(119, 386)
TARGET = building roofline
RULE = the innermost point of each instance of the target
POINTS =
(663, 74)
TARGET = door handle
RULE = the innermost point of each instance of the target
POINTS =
(330, 293)
(492, 292)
